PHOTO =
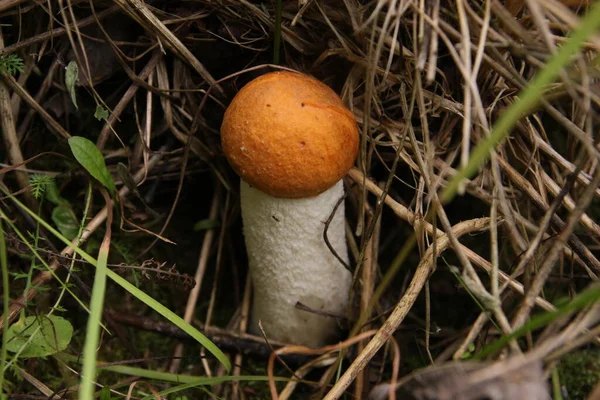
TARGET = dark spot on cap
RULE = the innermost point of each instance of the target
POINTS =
(268, 105)
(302, 104)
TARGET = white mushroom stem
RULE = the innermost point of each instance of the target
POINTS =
(290, 263)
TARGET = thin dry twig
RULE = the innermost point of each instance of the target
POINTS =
(404, 305)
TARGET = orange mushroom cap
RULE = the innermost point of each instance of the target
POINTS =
(289, 135)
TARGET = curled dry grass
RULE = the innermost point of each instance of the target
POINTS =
(426, 81)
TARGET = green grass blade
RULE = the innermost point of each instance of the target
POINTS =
(174, 318)
(528, 98)
(180, 378)
(92, 335)
(584, 299)
(140, 295)
(37, 255)
(170, 377)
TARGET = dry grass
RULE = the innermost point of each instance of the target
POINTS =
(426, 80)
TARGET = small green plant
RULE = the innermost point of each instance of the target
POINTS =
(469, 352)
(63, 216)
(39, 183)
(101, 113)
(10, 64)
(39, 336)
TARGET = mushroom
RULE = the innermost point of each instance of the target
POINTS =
(291, 139)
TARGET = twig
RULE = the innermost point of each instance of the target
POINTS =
(9, 133)
(404, 305)
(407, 215)
(140, 12)
(553, 253)
(190, 307)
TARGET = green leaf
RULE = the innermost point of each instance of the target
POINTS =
(126, 178)
(53, 194)
(88, 155)
(206, 224)
(71, 78)
(39, 336)
(101, 113)
(65, 220)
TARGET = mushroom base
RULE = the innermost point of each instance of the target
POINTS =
(290, 263)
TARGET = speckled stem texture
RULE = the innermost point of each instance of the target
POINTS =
(290, 262)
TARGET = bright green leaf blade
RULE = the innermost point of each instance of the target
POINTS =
(92, 336)
(182, 378)
(528, 98)
(39, 336)
(187, 381)
(71, 80)
(174, 318)
(88, 155)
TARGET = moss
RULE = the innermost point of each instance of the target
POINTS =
(579, 372)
